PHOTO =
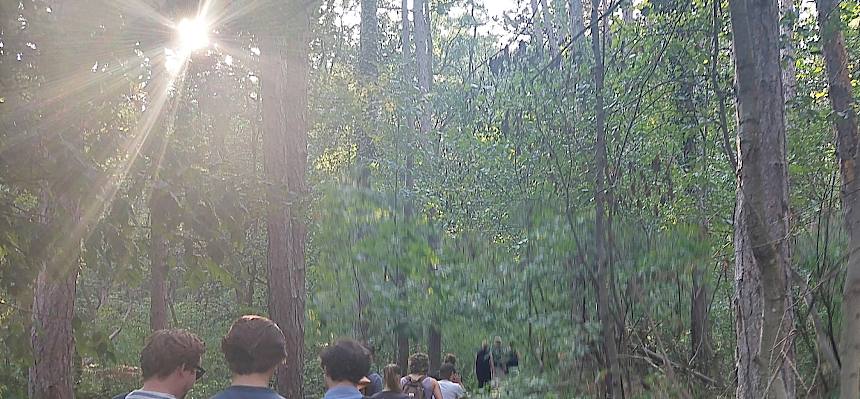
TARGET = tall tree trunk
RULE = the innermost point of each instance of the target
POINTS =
(613, 377)
(368, 73)
(158, 248)
(847, 132)
(284, 66)
(765, 321)
(57, 250)
(401, 332)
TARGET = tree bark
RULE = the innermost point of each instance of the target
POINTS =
(613, 376)
(158, 258)
(765, 322)
(847, 132)
(52, 335)
(284, 67)
(57, 248)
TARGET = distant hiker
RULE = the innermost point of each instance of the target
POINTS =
(448, 384)
(417, 385)
(391, 384)
(170, 363)
(498, 359)
(253, 347)
(513, 363)
(344, 364)
(482, 365)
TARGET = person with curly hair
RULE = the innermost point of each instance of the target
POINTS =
(345, 363)
(417, 383)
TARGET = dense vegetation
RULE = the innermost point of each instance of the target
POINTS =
(576, 182)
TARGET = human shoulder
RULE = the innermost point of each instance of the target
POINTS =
(242, 392)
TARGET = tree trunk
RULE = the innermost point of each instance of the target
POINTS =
(369, 39)
(434, 348)
(284, 66)
(765, 320)
(613, 376)
(401, 330)
(158, 248)
(845, 117)
(51, 334)
(424, 63)
(368, 72)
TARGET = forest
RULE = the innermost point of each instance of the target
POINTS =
(646, 198)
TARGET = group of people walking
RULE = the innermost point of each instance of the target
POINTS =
(493, 364)
(255, 346)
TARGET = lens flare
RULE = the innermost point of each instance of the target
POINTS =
(193, 34)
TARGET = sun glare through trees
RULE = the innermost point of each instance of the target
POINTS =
(492, 199)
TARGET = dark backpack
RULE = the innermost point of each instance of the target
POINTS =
(414, 389)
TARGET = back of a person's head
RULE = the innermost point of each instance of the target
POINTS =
(254, 344)
(419, 363)
(167, 350)
(345, 360)
(391, 377)
(450, 358)
(446, 371)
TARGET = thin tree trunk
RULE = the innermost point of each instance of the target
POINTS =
(847, 132)
(285, 70)
(401, 333)
(765, 322)
(158, 258)
(613, 376)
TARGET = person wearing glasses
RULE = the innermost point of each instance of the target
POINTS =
(170, 363)
(253, 347)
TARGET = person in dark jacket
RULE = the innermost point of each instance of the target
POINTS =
(482, 365)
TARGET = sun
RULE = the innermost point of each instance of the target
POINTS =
(193, 34)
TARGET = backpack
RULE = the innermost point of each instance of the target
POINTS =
(414, 389)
